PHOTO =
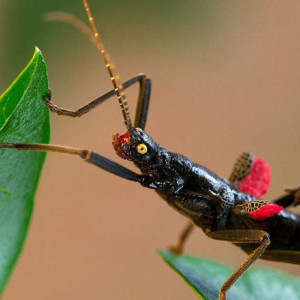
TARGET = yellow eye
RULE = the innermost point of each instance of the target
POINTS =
(141, 148)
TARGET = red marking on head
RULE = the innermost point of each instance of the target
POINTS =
(120, 143)
(256, 183)
(265, 212)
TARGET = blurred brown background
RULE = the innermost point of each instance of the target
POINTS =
(225, 80)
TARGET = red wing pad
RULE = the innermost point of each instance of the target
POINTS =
(265, 212)
(251, 175)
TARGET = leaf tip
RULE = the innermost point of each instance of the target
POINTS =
(37, 52)
(36, 49)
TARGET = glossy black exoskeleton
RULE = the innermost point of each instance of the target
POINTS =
(212, 203)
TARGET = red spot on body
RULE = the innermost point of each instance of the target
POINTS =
(256, 183)
(265, 212)
(123, 138)
(119, 141)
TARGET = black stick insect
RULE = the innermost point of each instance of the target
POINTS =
(224, 210)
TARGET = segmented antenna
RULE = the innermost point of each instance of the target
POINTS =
(73, 21)
(114, 77)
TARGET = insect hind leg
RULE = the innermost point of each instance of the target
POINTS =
(259, 237)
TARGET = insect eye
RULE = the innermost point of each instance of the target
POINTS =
(141, 148)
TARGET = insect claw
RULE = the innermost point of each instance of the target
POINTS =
(175, 250)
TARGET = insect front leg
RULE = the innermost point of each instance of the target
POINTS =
(241, 237)
(87, 155)
(143, 95)
(143, 103)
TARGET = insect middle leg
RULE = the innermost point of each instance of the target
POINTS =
(178, 248)
(142, 106)
(241, 237)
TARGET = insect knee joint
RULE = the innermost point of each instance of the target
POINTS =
(266, 239)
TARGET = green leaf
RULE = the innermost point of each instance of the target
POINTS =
(206, 277)
(24, 117)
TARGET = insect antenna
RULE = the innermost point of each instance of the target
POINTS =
(114, 77)
(67, 18)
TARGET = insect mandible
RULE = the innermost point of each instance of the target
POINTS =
(217, 206)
